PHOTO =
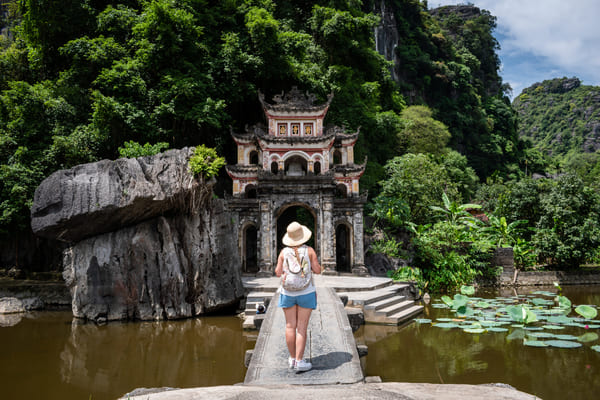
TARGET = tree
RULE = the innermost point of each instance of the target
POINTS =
(421, 133)
(420, 182)
(568, 231)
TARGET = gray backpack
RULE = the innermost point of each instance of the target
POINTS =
(298, 274)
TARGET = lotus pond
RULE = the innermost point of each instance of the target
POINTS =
(541, 341)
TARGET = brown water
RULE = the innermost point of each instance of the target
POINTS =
(422, 353)
(46, 356)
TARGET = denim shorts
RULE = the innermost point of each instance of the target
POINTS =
(308, 300)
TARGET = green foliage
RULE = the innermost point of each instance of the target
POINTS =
(205, 162)
(568, 231)
(501, 233)
(388, 246)
(419, 181)
(421, 133)
(133, 149)
(453, 212)
(391, 210)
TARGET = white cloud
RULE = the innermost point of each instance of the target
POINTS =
(544, 37)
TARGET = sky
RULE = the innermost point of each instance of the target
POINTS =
(544, 39)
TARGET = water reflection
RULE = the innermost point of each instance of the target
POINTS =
(422, 353)
(188, 353)
(48, 356)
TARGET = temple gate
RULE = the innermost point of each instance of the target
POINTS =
(295, 168)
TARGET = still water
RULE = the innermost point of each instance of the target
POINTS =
(48, 356)
(423, 353)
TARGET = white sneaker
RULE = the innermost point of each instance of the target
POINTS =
(302, 365)
(291, 362)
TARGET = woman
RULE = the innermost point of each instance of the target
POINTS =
(296, 300)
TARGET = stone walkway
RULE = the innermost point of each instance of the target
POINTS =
(330, 346)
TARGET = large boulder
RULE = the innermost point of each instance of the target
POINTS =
(163, 268)
(99, 197)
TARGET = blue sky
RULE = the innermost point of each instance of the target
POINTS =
(544, 39)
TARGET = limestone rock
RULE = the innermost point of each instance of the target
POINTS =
(163, 268)
(11, 305)
(96, 198)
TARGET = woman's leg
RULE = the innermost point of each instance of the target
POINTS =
(303, 316)
(290, 329)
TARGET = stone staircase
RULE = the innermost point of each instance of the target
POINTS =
(381, 301)
(253, 301)
(386, 305)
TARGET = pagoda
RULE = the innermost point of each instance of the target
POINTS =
(296, 168)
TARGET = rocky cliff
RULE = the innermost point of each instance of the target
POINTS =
(560, 115)
(136, 251)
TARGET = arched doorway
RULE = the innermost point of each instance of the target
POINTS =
(300, 213)
(250, 259)
(343, 247)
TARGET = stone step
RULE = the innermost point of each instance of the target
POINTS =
(395, 308)
(396, 318)
(383, 303)
(367, 298)
(405, 314)
(258, 296)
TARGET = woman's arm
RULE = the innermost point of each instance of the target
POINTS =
(314, 262)
(279, 268)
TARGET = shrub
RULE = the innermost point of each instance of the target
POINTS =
(133, 149)
(205, 162)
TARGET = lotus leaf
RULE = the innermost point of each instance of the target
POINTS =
(586, 311)
(560, 320)
(533, 328)
(446, 325)
(448, 301)
(464, 311)
(459, 301)
(521, 313)
(596, 348)
(467, 290)
(445, 319)
(422, 321)
(563, 302)
(553, 327)
(541, 335)
(474, 330)
(482, 304)
(545, 293)
(563, 344)
(588, 337)
(494, 329)
(541, 302)
(565, 337)
(535, 343)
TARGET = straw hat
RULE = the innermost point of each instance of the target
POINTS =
(296, 234)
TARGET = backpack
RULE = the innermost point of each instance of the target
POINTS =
(297, 271)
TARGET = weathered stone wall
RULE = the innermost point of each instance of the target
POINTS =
(531, 278)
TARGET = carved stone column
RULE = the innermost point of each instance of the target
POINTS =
(266, 240)
(327, 240)
(358, 267)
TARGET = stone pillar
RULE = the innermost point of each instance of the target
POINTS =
(358, 265)
(266, 234)
(327, 239)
